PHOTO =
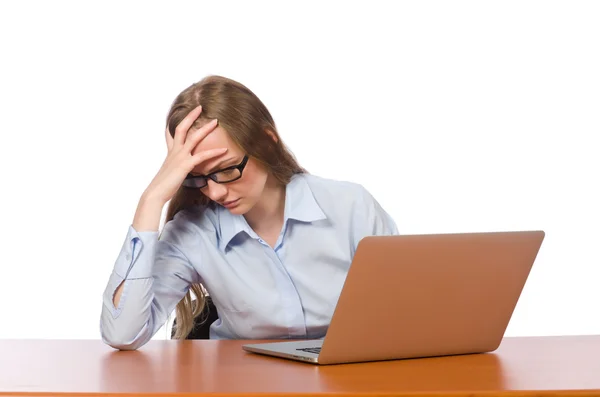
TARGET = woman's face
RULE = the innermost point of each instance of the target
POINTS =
(238, 196)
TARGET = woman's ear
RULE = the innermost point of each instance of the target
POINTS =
(272, 135)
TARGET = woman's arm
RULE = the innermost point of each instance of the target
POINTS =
(151, 277)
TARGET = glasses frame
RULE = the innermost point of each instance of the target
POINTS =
(240, 167)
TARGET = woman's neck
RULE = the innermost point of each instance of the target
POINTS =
(267, 214)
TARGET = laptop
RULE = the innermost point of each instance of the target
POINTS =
(415, 296)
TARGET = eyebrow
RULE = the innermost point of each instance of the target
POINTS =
(216, 167)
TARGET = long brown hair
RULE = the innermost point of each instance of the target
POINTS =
(246, 120)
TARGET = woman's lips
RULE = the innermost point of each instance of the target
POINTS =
(229, 204)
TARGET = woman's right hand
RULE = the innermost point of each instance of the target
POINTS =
(180, 161)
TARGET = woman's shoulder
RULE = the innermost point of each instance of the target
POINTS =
(322, 185)
(335, 192)
(341, 198)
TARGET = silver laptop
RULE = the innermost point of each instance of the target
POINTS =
(422, 296)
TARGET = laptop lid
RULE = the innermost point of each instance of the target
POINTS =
(428, 295)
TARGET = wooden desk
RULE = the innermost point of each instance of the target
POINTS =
(541, 366)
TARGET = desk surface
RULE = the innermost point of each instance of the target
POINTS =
(537, 366)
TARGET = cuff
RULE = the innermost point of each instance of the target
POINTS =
(137, 255)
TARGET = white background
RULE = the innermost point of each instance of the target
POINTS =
(457, 115)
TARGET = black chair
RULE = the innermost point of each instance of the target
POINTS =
(203, 322)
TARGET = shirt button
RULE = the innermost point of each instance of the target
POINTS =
(128, 257)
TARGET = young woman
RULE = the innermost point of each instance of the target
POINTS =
(270, 243)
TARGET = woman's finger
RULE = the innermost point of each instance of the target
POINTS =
(185, 124)
(206, 155)
(197, 136)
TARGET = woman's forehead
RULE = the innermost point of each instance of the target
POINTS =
(216, 139)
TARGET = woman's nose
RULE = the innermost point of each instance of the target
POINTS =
(215, 191)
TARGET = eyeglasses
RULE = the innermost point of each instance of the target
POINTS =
(225, 175)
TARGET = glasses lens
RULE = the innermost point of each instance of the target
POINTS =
(197, 182)
(228, 175)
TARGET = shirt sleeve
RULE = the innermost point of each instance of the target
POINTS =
(156, 276)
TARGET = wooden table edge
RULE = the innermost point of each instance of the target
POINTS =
(466, 393)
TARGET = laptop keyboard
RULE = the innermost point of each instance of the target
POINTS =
(315, 350)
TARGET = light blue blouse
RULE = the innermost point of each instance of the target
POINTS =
(260, 292)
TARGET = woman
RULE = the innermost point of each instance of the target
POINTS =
(270, 243)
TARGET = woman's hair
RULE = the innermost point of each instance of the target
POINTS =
(246, 119)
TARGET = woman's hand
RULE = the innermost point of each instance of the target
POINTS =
(177, 165)
(180, 161)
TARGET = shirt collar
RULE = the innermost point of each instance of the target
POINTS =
(300, 205)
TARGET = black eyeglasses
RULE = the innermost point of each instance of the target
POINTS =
(225, 175)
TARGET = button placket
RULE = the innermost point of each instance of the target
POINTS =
(291, 299)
